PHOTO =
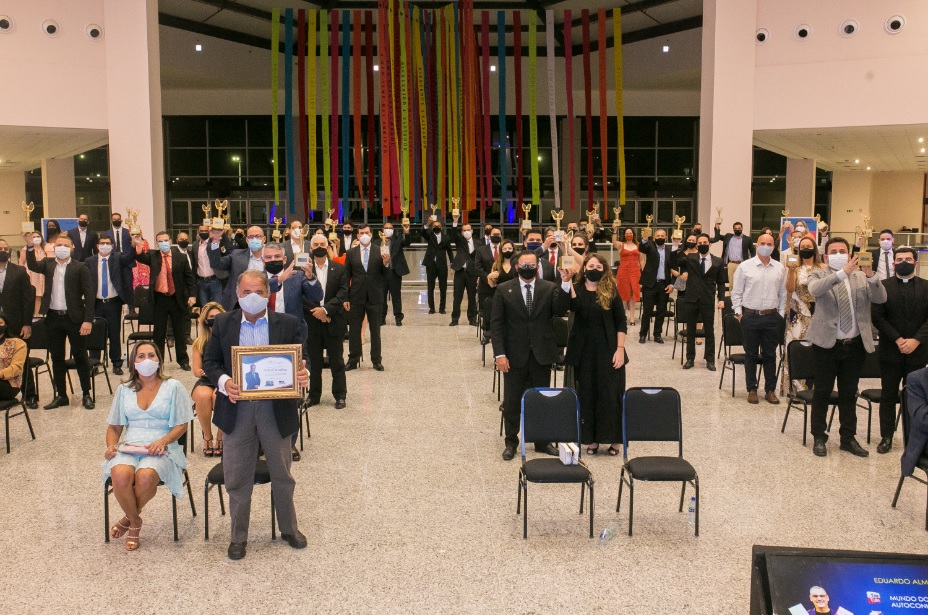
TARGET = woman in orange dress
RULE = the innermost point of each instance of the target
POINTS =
(628, 278)
(141, 274)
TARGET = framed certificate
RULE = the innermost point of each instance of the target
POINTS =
(267, 372)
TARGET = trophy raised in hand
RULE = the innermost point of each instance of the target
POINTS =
(821, 225)
(678, 232)
(207, 210)
(617, 220)
(718, 216)
(592, 214)
(332, 222)
(133, 217)
(28, 225)
(275, 235)
(220, 222)
(434, 208)
(558, 215)
(864, 258)
(527, 221)
(455, 210)
(405, 209)
(646, 231)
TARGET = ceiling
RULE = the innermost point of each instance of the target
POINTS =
(23, 147)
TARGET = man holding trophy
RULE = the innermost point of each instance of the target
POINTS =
(656, 280)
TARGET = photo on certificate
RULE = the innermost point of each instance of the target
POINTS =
(267, 372)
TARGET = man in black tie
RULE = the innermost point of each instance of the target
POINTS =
(366, 266)
(437, 253)
(109, 272)
(656, 284)
(347, 237)
(327, 322)
(465, 275)
(533, 244)
(68, 309)
(706, 277)
(903, 325)
(17, 295)
(84, 239)
(122, 241)
(396, 242)
(522, 331)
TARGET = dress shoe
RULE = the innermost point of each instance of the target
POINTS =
(547, 449)
(383, 322)
(378, 367)
(312, 402)
(453, 323)
(57, 403)
(508, 453)
(710, 365)
(237, 550)
(295, 540)
(431, 310)
(642, 339)
(688, 365)
(771, 398)
(340, 404)
(472, 322)
(399, 323)
(818, 447)
(885, 445)
(32, 403)
(752, 397)
(658, 339)
(442, 311)
(185, 367)
(295, 454)
(117, 371)
(350, 365)
(854, 448)
(88, 402)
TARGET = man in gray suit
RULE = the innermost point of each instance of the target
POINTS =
(842, 335)
(236, 261)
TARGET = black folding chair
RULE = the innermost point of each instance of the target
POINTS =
(801, 360)
(921, 464)
(483, 332)
(146, 317)
(37, 341)
(108, 489)
(654, 415)
(13, 408)
(551, 415)
(97, 340)
(561, 332)
(732, 336)
(726, 310)
(216, 478)
(140, 294)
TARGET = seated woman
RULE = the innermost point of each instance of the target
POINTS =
(204, 391)
(13, 353)
(154, 410)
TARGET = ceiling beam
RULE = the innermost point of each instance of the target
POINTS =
(645, 34)
(627, 9)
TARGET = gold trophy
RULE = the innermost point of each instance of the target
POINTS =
(592, 214)
(405, 210)
(207, 210)
(558, 215)
(821, 226)
(332, 221)
(219, 223)
(864, 258)
(617, 220)
(133, 216)
(527, 221)
(275, 235)
(718, 216)
(28, 225)
(384, 248)
(785, 213)
(646, 231)
(678, 233)
(434, 208)
(455, 210)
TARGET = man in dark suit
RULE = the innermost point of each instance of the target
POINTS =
(882, 255)
(84, 239)
(252, 379)
(550, 250)
(366, 266)
(523, 339)
(68, 309)
(656, 284)
(109, 271)
(17, 295)
(916, 405)
(438, 245)
(396, 242)
(209, 281)
(122, 241)
(903, 325)
(327, 322)
(484, 258)
(346, 237)
(534, 244)
(736, 247)
(465, 274)
(246, 425)
(173, 292)
(289, 287)
(236, 261)
(706, 277)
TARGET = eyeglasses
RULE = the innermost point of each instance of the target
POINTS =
(256, 237)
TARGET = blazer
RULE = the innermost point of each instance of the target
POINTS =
(224, 241)
(252, 381)
(233, 261)
(78, 290)
(518, 335)
(916, 404)
(344, 241)
(336, 294)
(747, 244)
(185, 285)
(124, 237)
(297, 288)
(707, 287)
(365, 287)
(398, 243)
(463, 258)
(483, 264)
(435, 250)
(823, 329)
(901, 318)
(288, 248)
(582, 308)
(17, 299)
(120, 270)
(217, 362)
(652, 263)
(547, 271)
(83, 250)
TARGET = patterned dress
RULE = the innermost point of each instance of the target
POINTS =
(798, 315)
(141, 273)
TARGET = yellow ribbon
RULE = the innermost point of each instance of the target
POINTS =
(619, 114)
(311, 108)
(326, 107)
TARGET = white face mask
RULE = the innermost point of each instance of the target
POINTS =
(764, 251)
(388, 232)
(253, 303)
(800, 230)
(62, 252)
(467, 234)
(105, 249)
(36, 241)
(837, 261)
(296, 233)
(886, 244)
(365, 240)
(147, 367)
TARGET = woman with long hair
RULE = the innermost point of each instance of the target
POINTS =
(502, 269)
(52, 230)
(204, 390)
(800, 303)
(628, 279)
(141, 274)
(37, 279)
(150, 412)
(596, 350)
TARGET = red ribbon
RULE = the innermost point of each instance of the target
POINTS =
(587, 96)
(568, 76)
(386, 128)
(517, 44)
(603, 115)
(369, 54)
(487, 169)
(301, 97)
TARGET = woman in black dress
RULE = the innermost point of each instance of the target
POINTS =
(204, 391)
(596, 350)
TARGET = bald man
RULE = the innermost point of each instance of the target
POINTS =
(236, 261)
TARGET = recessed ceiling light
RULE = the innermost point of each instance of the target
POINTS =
(921, 139)
(922, 150)
(666, 49)
(198, 47)
(492, 68)
(856, 161)
(376, 68)
(868, 168)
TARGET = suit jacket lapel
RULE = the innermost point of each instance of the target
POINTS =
(235, 331)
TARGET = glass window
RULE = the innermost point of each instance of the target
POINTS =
(640, 162)
(184, 131)
(676, 132)
(665, 212)
(227, 162)
(187, 162)
(227, 132)
(768, 164)
(180, 212)
(639, 132)
(259, 131)
(675, 162)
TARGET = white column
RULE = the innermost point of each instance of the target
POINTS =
(850, 201)
(800, 186)
(726, 109)
(58, 190)
(133, 92)
(12, 194)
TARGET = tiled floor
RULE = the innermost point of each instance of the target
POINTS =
(408, 507)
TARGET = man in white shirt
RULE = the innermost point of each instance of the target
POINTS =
(209, 286)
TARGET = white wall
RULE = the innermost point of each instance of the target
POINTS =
(850, 200)
(12, 194)
(896, 200)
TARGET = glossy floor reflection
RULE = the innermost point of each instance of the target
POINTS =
(409, 508)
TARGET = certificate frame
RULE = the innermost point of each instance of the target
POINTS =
(242, 355)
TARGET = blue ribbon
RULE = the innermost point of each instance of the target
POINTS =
(503, 135)
(288, 109)
(345, 119)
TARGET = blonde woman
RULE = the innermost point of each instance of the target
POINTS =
(596, 350)
(38, 280)
(800, 303)
(204, 390)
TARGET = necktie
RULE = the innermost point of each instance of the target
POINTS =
(552, 258)
(272, 300)
(168, 274)
(364, 258)
(886, 260)
(702, 264)
(844, 307)
(529, 302)
(117, 235)
(104, 280)
(495, 253)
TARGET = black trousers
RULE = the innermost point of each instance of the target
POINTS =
(841, 362)
(166, 307)
(892, 373)
(60, 328)
(431, 274)
(111, 312)
(320, 339)
(355, 319)
(8, 391)
(515, 383)
(651, 298)
(394, 290)
(704, 313)
(464, 281)
(761, 332)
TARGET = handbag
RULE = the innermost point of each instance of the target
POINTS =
(133, 449)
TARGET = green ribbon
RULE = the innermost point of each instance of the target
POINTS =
(532, 104)
(275, 92)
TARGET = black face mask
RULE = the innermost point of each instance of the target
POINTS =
(703, 249)
(203, 236)
(507, 253)
(209, 322)
(346, 231)
(274, 267)
(690, 245)
(319, 252)
(495, 239)
(660, 241)
(488, 230)
(117, 223)
(4, 256)
(183, 244)
(697, 231)
(594, 275)
(905, 269)
(806, 253)
(528, 273)
(580, 250)
(83, 223)
(738, 232)
(436, 229)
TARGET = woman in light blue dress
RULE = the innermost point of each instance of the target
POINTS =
(151, 411)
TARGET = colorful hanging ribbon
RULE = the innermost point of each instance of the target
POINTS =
(619, 111)
(346, 127)
(325, 97)
(275, 93)
(552, 105)
(503, 132)
(371, 121)
(311, 169)
(520, 160)
(532, 107)
(485, 90)
(568, 77)
(422, 126)
(603, 112)
(301, 95)
(333, 82)
(588, 108)
(288, 110)
(356, 102)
